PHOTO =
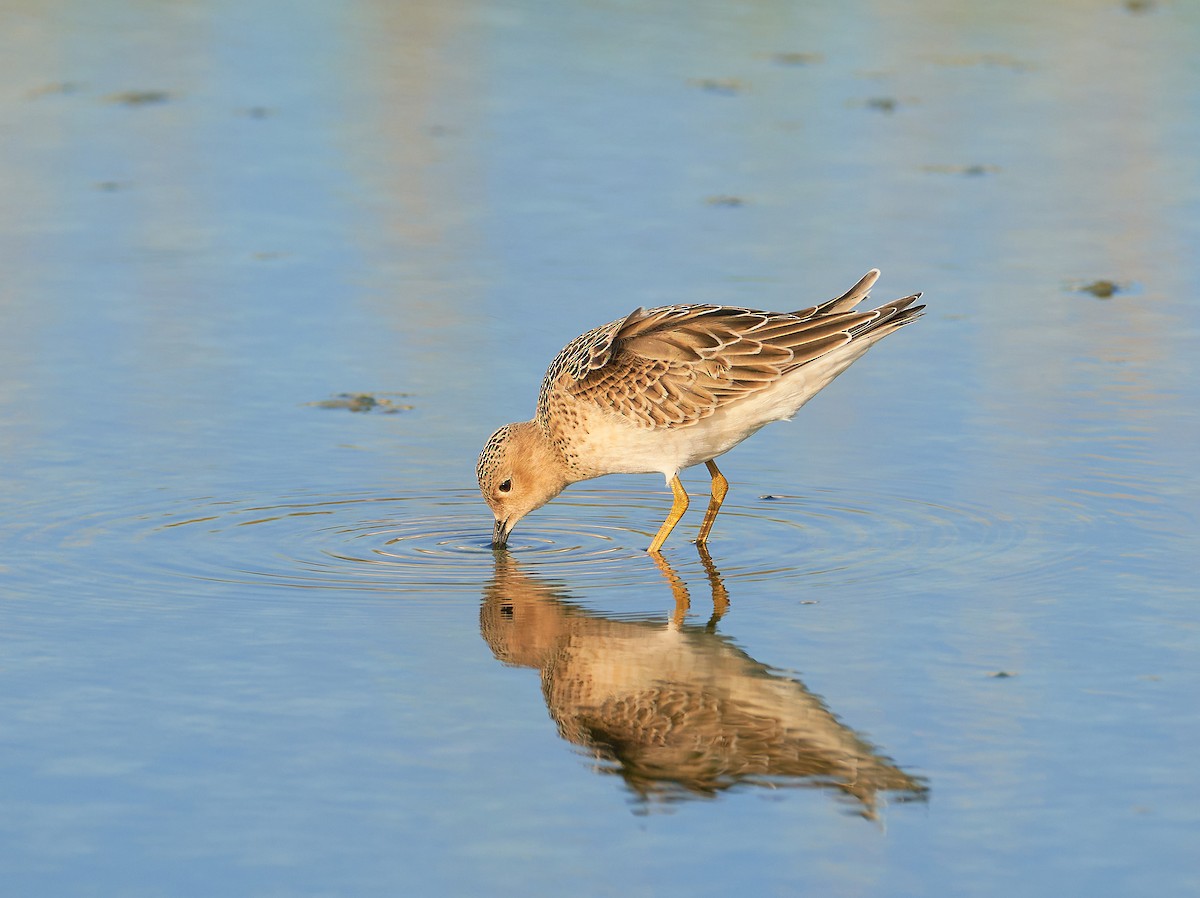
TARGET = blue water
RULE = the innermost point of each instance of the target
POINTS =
(254, 645)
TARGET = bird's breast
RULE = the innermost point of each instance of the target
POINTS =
(595, 441)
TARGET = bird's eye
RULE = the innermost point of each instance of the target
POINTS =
(505, 486)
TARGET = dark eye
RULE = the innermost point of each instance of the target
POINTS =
(505, 486)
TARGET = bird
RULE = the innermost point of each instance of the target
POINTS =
(663, 389)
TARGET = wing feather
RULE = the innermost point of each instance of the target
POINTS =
(675, 365)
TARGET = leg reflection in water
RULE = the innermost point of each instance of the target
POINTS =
(676, 709)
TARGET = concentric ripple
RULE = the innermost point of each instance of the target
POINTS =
(591, 538)
(366, 542)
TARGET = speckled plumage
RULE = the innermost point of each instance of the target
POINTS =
(663, 389)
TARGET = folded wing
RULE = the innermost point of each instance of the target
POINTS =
(675, 365)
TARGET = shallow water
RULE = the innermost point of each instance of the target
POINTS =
(253, 640)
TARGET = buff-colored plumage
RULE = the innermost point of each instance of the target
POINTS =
(663, 389)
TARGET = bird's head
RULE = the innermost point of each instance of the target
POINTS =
(518, 471)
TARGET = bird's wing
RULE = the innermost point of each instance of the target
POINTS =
(674, 365)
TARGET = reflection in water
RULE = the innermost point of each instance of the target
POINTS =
(676, 709)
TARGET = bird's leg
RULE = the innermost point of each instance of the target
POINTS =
(720, 486)
(678, 507)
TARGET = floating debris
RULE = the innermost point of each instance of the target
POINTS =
(728, 201)
(1101, 289)
(140, 97)
(365, 402)
(1001, 674)
(726, 86)
(970, 171)
(884, 104)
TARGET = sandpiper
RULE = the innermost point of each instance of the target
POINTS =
(663, 389)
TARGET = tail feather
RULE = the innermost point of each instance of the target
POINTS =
(891, 315)
(851, 297)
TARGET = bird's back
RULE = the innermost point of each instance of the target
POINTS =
(665, 388)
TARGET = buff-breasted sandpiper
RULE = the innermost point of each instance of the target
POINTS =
(663, 389)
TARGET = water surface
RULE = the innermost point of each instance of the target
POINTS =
(252, 639)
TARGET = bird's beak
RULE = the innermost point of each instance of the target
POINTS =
(500, 535)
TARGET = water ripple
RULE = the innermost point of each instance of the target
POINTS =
(439, 541)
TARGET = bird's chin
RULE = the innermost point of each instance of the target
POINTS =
(500, 534)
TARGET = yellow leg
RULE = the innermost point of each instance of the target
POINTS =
(679, 506)
(720, 486)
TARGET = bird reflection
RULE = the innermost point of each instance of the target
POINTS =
(674, 708)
